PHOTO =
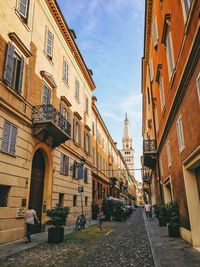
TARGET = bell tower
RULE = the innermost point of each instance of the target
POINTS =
(127, 143)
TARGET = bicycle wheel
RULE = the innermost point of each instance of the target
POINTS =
(87, 223)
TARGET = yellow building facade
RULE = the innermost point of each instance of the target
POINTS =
(47, 133)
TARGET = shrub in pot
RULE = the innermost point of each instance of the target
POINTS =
(174, 221)
(163, 215)
(95, 211)
(108, 208)
(58, 216)
(119, 213)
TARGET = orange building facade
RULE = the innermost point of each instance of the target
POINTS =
(171, 99)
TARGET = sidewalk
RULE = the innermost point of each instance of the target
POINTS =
(168, 251)
(12, 248)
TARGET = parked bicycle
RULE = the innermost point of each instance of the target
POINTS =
(82, 222)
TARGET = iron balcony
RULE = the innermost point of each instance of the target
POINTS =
(50, 126)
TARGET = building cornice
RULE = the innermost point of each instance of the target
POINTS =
(60, 21)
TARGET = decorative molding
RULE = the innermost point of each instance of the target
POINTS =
(13, 36)
(87, 127)
(77, 115)
(49, 78)
(66, 101)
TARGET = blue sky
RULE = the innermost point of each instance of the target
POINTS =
(110, 38)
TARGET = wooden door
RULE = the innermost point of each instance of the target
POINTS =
(37, 186)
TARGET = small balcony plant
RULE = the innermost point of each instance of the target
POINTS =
(58, 217)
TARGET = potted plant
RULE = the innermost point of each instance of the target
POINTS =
(95, 211)
(162, 215)
(108, 208)
(174, 221)
(58, 216)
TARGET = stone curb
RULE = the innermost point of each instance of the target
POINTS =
(155, 259)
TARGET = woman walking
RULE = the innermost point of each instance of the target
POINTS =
(30, 217)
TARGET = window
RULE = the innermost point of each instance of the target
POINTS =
(179, 129)
(65, 70)
(74, 201)
(64, 164)
(162, 94)
(86, 105)
(4, 190)
(75, 169)
(86, 175)
(198, 86)
(9, 138)
(186, 7)
(169, 157)
(80, 172)
(65, 112)
(168, 191)
(77, 90)
(61, 200)
(49, 43)
(13, 71)
(23, 7)
(77, 132)
(86, 201)
(148, 96)
(87, 142)
(151, 70)
(155, 33)
(46, 98)
(197, 173)
(170, 58)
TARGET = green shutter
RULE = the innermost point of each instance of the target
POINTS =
(9, 64)
(79, 135)
(67, 166)
(74, 130)
(85, 175)
(80, 172)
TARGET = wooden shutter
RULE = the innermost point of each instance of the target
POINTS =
(61, 109)
(67, 166)
(6, 136)
(88, 143)
(85, 147)
(80, 172)
(79, 134)
(74, 169)
(61, 163)
(13, 139)
(20, 75)
(85, 175)
(46, 95)
(23, 8)
(9, 64)
(74, 130)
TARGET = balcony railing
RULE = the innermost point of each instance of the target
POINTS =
(149, 146)
(49, 124)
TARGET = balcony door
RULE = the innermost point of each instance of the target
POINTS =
(37, 186)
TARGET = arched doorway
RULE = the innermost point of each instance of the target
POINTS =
(37, 186)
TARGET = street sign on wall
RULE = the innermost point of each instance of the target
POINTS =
(80, 189)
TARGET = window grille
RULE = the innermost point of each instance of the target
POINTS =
(4, 190)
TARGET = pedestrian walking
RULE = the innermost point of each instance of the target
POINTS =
(30, 218)
(147, 208)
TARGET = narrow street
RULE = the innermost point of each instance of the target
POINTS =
(126, 244)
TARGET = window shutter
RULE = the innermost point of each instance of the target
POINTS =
(61, 163)
(85, 141)
(89, 144)
(79, 135)
(67, 166)
(61, 109)
(80, 172)
(74, 169)
(21, 75)
(23, 8)
(9, 64)
(85, 175)
(13, 139)
(74, 130)
(6, 136)
(151, 70)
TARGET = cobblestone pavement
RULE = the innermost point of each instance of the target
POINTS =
(127, 245)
